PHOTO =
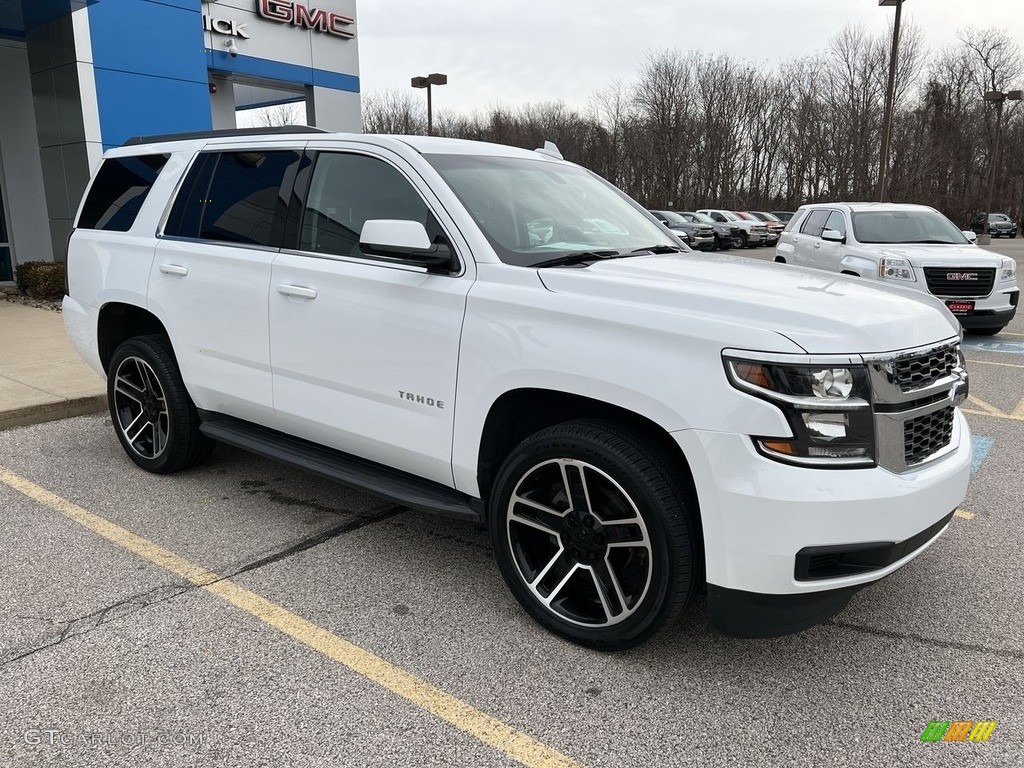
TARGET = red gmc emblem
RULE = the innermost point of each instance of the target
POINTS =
(959, 276)
(298, 15)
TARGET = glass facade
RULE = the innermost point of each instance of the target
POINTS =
(6, 266)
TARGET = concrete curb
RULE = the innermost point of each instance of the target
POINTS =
(62, 409)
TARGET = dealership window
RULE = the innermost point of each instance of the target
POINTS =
(6, 262)
(121, 187)
(346, 190)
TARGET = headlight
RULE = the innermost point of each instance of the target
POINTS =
(895, 269)
(1009, 270)
(828, 408)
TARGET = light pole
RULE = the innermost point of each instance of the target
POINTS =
(998, 97)
(890, 97)
(435, 78)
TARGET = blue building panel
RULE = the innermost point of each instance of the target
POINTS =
(135, 105)
(150, 67)
(279, 71)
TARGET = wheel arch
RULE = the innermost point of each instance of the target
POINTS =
(518, 413)
(120, 321)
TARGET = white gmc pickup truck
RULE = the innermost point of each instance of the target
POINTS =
(501, 336)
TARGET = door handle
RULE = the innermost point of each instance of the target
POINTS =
(174, 269)
(818, 244)
(297, 291)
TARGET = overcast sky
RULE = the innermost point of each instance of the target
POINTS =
(521, 51)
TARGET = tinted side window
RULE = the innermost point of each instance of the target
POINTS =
(187, 212)
(120, 189)
(836, 221)
(244, 204)
(346, 191)
(815, 222)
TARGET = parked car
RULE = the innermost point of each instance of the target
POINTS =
(783, 216)
(772, 236)
(727, 235)
(999, 225)
(699, 236)
(628, 424)
(755, 233)
(774, 223)
(913, 246)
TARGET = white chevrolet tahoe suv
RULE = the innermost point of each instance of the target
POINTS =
(909, 245)
(632, 423)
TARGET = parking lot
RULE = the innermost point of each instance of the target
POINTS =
(249, 614)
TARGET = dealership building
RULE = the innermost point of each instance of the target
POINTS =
(80, 76)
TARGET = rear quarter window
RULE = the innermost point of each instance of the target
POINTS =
(118, 192)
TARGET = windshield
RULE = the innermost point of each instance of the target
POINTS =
(766, 216)
(697, 218)
(672, 217)
(534, 210)
(894, 227)
(730, 216)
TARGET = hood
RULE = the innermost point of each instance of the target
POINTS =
(819, 311)
(941, 255)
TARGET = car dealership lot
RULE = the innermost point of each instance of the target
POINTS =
(110, 656)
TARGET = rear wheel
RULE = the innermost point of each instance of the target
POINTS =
(154, 417)
(593, 535)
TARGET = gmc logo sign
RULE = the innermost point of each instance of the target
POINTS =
(315, 19)
(961, 276)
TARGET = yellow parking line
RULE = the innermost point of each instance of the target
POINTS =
(516, 744)
(964, 514)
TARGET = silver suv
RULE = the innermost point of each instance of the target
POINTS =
(913, 246)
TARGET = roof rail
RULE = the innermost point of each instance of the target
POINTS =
(273, 131)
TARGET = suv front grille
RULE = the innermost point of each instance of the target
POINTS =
(914, 396)
(960, 281)
(926, 435)
(917, 372)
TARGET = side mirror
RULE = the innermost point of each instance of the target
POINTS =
(972, 236)
(833, 236)
(404, 240)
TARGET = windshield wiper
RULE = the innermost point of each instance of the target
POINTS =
(659, 249)
(578, 257)
(932, 242)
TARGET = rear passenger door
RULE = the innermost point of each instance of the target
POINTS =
(211, 276)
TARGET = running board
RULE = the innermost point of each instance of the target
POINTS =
(400, 487)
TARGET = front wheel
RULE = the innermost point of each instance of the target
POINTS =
(593, 534)
(154, 417)
(743, 241)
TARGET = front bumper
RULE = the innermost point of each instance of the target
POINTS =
(738, 613)
(703, 243)
(758, 514)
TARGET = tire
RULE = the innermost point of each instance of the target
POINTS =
(628, 527)
(985, 331)
(743, 240)
(723, 245)
(144, 386)
(779, 260)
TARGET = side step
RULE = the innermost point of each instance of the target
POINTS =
(400, 487)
